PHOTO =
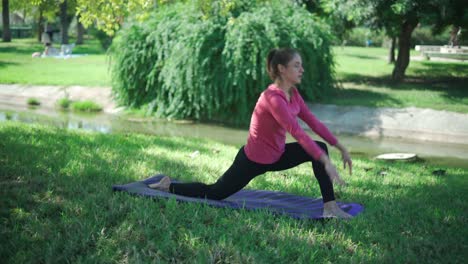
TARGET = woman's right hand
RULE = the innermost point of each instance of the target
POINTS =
(333, 174)
(331, 170)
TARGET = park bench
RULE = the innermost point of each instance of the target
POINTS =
(446, 52)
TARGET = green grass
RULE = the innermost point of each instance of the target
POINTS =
(85, 106)
(17, 65)
(363, 73)
(365, 80)
(57, 206)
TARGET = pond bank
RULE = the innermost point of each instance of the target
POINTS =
(407, 123)
(436, 153)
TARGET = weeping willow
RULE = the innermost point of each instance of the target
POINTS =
(181, 63)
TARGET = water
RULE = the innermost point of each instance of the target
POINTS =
(442, 154)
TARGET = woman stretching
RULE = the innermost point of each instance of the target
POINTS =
(266, 149)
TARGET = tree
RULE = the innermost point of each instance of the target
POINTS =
(80, 30)
(6, 36)
(64, 23)
(108, 15)
(335, 12)
(41, 10)
(66, 14)
(400, 17)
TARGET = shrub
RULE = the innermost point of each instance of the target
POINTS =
(423, 36)
(86, 106)
(64, 103)
(358, 37)
(184, 63)
(33, 102)
(101, 36)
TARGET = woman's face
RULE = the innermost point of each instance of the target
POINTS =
(293, 71)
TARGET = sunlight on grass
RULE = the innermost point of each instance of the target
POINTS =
(56, 194)
(17, 65)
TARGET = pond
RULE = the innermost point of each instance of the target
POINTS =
(439, 154)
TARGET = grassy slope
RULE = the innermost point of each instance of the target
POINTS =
(57, 206)
(17, 65)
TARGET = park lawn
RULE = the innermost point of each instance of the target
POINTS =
(57, 206)
(18, 67)
(364, 79)
(363, 75)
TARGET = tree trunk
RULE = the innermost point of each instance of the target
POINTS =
(80, 31)
(391, 52)
(64, 23)
(6, 36)
(404, 46)
(40, 25)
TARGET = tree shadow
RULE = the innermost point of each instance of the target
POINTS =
(71, 213)
(4, 64)
(354, 96)
(441, 71)
(22, 50)
(94, 49)
(422, 223)
(68, 178)
(361, 56)
(451, 87)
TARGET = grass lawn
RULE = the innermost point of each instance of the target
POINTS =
(17, 65)
(363, 73)
(364, 77)
(57, 206)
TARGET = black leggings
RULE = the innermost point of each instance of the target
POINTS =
(243, 170)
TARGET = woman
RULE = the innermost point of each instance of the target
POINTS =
(266, 149)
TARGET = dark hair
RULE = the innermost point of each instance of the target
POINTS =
(276, 57)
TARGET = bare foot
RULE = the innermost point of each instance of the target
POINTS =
(162, 185)
(332, 210)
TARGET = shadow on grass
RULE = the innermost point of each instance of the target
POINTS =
(21, 50)
(360, 56)
(443, 70)
(87, 49)
(4, 64)
(451, 87)
(61, 182)
(56, 193)
(92, 48)
(422, 222)
(349, 95)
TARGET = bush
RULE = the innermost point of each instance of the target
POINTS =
(423, 36)
(86, 106)
(358, 37)
(101, 36)
(186, 64)
(64, 103)
(33, 102)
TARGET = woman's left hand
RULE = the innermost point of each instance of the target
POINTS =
(347, 160)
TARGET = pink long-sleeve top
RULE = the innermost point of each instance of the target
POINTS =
(272, 117)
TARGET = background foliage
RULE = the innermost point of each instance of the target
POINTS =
(189, 61)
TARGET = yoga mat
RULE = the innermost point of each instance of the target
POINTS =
(299, 207)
